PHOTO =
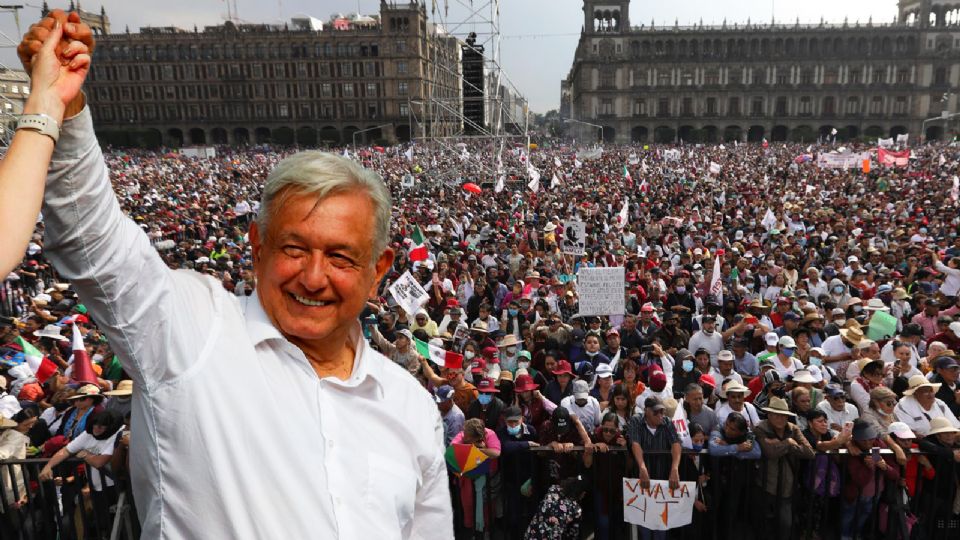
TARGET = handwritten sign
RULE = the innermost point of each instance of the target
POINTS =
(409, 294)
(658, 508)
(601, 291)
(574, 237)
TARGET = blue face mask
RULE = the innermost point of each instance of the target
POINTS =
(485, 399)
(787, 352)
(512, 312)
(688, 366)
(697, 447)
(814, 361)
(514, 430)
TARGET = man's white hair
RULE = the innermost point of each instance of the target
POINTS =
(323, 174)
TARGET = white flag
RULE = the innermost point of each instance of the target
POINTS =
(409, 154)
(680, 424)
(346, 153)
(500, 184)
(833, 131)
(643, 166)
(943, 160)
(554, 182)
(716, 286)
(556, 162)
(577, 163)
(769, 220)
(955, 192)
(622, 217)
(714, 168)
(534, 184)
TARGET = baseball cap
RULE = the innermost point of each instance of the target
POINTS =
(835, 390)
(613, 331)
(487, 385)
(513, 413)
(787, 341)
(838, 311)
(443, 394)
(708, 318)
(955, 328)
(581, 390)
(479, 366)
(653, 403)
(901, 430)
(771, 338)
(852, 258)
(945, 362)
(604, 370)
(791, 316)
(405, 333)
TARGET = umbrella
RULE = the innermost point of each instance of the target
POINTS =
(472, 188)
(467, 460)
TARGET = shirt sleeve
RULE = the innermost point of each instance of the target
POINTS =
(432, 511)
(492, 441)
(156, 318)
(80, 443)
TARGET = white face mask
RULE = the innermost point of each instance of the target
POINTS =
(511, 351)
(469, 355)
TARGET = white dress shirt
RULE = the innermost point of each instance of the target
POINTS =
(909, 411)
(234, 435)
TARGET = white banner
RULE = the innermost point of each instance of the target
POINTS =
(601, 291)
(409, 294)
(407, 181)
(586, 155)
(658, 508)
(671, 155)
(842, 161)
(574, 238)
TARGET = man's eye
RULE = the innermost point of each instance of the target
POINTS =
(293, 251)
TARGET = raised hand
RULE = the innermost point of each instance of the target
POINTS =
(71, 53)
(56, 78)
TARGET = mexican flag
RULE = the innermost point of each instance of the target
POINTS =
(41, 366)
(418, 248)
(626, 174)
(439, 355)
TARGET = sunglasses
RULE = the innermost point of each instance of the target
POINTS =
(658, 412)
(890, 402)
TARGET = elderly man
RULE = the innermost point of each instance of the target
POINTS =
(651, 437)
(920, 405)
(319, 252)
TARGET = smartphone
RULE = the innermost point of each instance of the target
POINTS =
(847, 428)
(750, 319)
(875, 454)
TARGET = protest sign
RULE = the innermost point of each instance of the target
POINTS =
(658, 508)
(601, 291)
(882, 326)
(680, 423)
(574, 238)
(408, 181)
(408, 293)
(852, 160)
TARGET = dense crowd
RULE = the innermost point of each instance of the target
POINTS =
(833, 325)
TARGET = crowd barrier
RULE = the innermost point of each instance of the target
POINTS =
(71, 509)
(736, 495)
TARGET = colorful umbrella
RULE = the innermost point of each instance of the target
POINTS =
(472, 188)
(467, 460)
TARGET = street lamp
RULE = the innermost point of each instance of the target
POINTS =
(599, 128)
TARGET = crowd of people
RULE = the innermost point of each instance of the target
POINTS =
(833, 325)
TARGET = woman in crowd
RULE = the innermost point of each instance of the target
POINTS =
(13, 445)
(621, 404)
(938, 494)
(559, 515)
(606, 469)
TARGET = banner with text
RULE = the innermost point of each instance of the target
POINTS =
(409, 294)
(601, 291)
(842, 161)
(658, 508)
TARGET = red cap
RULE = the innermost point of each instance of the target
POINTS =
(525, 384)
(452, 302)
(489, 352)
(708, 380)
(563, 367)
(479, 366)
(487, 386)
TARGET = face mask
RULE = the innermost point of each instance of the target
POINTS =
(688, 366)
(857, 309)
(523, 365)
(590, 354)
(837, 290)
(485, 399)
(580, 402)
(814, 361)
(787, 352)
(513, 312)
(511, 351)
(681, 290)
(707, 332)
(697, 447)
(469, 355)
(514, 430)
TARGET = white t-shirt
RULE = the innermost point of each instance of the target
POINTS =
(848, 414)
(749, 413)
(86, 441)
(589, 414)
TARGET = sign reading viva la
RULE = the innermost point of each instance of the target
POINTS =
(658, 508)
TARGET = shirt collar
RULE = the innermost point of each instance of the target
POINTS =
(366, 364)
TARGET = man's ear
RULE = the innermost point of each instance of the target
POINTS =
(256, 242)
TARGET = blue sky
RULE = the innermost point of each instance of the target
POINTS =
(538, 36)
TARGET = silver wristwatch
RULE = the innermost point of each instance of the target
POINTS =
(40, 123)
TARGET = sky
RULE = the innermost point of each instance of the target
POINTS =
(538, 37)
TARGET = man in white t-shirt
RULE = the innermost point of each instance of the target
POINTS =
(836, 407)
(583, 405)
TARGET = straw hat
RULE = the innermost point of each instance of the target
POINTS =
(919, 381)
(779, 406)
(941, 425)
(7, 423)
(901, 294)
(87, 390)
(804, 376)
(508, 340)
(735, 387)
(853, 335)
(876, 304)
(51, 331)
(124, 388)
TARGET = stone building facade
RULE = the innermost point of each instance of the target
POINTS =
(764, 81)
(357, 79)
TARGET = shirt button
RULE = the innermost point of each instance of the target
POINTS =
(330, 444)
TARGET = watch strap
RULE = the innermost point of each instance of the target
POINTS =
(41, 123)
